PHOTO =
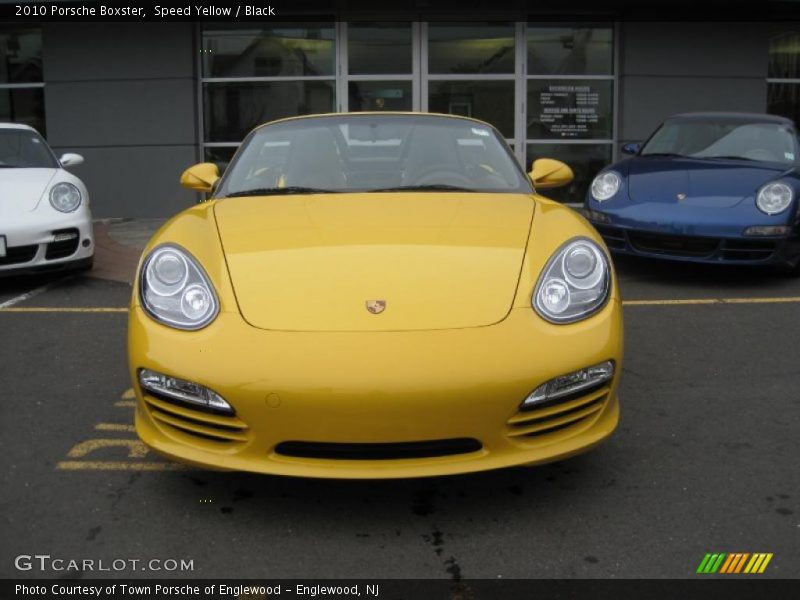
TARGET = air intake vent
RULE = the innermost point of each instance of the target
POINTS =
(19, 254)
(673, 245)
(385, 451)
(65, 244)
(201, 425)
(555, 416)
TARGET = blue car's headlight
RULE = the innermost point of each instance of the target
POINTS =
(575, 282)
(175, 290)
(774, 198)
(605, 185)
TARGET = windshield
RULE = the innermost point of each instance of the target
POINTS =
(23, 148)
(699, 138)
(373, 152)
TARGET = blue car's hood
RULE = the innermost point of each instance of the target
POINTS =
(707, 183)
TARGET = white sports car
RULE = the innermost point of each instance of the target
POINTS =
(45, 222)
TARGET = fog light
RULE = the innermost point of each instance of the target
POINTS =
(596, 216)
(571, 383)
(182, 390)
(64, 237)
(768, 230)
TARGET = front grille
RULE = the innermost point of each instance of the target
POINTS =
(748, 249)
(174, 417)
(674, 245)
(612, 236)
(555, 416)
(728, 249)
(18, 254)
(380, 451)
(64, 248)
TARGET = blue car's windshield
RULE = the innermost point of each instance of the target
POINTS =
(722, 139)
(370, 152)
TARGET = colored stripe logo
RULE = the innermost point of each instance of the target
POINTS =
(734, 563)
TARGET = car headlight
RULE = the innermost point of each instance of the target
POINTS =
(774, 198)
(65, 197)
(605, 185)
(175, 290)
(574, 284)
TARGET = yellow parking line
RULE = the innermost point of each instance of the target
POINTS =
(136, 449)
(125, 403)
(115, 427)
(113, 465)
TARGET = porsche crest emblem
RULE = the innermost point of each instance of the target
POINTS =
(376, 307)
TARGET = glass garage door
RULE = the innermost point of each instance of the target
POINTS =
(549, 89)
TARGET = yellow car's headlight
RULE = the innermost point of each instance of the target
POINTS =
(575, 282)
(175, 290)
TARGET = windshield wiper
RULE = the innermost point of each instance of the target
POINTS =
(729, 157)
(668, 154)
(421, 188)
(283, 191)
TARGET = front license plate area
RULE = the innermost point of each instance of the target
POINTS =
(2, 246)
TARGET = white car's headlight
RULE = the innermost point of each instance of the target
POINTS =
(605, 185)
(774, 198)
(65, 197)
(574, 284)
(175, 290)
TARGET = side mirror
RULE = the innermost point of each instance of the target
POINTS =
(632, 148)
(200, 177)
(71, 160)
(549, 173)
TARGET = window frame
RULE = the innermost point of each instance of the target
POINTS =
(29, 85)
(420, 78)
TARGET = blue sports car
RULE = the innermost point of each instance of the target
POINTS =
(705, 187)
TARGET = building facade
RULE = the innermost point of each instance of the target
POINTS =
(142, 101)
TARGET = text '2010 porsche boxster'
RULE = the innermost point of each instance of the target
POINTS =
(375, 295)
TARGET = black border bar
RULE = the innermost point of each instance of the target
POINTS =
(399, 10)
(735, 587)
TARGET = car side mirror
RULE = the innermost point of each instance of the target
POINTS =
(632, 148)
(550, 173)
(71, 160)
(200, 177)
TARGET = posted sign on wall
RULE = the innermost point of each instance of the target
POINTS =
(569, 110)
(563, 109)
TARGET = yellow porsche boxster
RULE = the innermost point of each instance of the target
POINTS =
(375, 295)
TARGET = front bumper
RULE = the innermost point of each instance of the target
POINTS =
(31, 245)
(692, 233)
(741, 250)
(409, 404)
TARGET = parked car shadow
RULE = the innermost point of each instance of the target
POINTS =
(392, 504)
(13, 285)
(653, 278)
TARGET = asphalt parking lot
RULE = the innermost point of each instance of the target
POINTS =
(705, 459)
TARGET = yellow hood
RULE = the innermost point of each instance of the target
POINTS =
(437, 260)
